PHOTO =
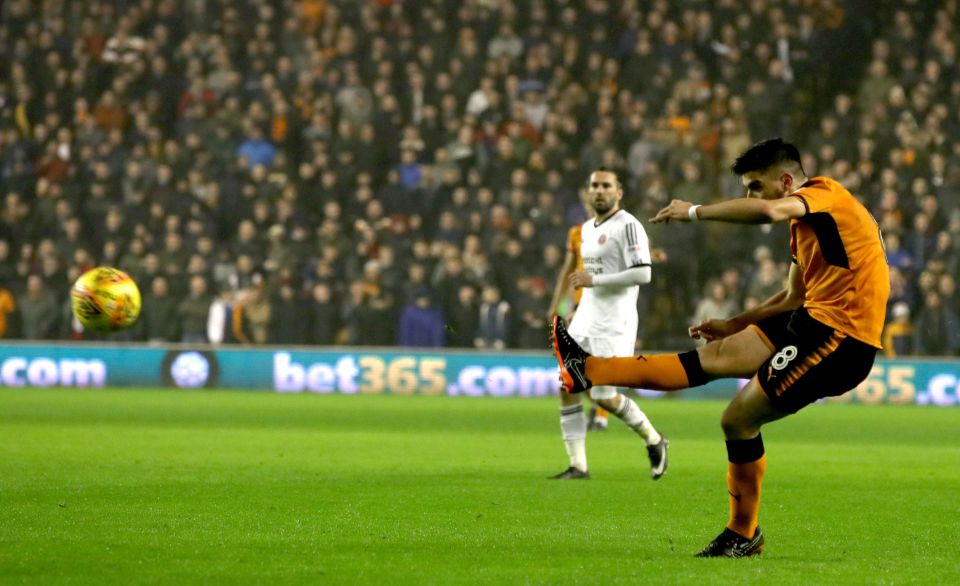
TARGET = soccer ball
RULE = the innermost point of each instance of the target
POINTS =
(105, 299)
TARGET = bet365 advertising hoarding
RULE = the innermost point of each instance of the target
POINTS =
(376, 371)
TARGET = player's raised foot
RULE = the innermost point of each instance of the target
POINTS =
(571, 358)
(731, 544)
(658, 458)
(571, 473)
(597, 421)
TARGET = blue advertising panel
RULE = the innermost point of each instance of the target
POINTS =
(376, 371)
(81, 366)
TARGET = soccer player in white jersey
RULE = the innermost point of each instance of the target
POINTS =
(616, 261)
(598, 418)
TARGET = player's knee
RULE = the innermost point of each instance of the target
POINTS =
(727, 357)
(733, 423)
(603, 394)
(611, 405)
(713, 358)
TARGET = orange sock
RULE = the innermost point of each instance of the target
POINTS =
(601, 413)
(743, 484)
(660, 372)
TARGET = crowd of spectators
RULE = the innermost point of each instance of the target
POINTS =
(386, 172)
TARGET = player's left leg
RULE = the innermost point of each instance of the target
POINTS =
(746, 463)
(741, 423)
(626, 409)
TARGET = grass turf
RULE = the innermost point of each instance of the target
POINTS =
(154, 486)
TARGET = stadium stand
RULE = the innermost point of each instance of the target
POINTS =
(309, 168)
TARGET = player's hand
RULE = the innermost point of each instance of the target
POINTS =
(678, 210)
(580, 279)
(658, 255)
(712, 329)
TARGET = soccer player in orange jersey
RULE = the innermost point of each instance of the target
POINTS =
(816, 338)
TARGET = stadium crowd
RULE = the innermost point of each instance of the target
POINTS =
(387, 172)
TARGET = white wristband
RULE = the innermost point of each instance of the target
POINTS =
(692, 213)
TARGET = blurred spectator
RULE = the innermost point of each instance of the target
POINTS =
(255, 309)
(7, 307)
(324, 316)
(193, 312)
(716, 303)
(384, 315)
(220, 319)
(358, 316)
(421, 325)
(7, 264)
(159, 319)
(947, 289)
(493, 326)
(256, 149)
(897, 257)
(463, 318)
(532, 320)
(933, 331)
(416, 279)
(692, 187)
(767, 282)
(898, 334)
(287, 323)
(447, 281)
(39, 310)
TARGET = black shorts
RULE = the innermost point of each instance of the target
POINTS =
(810, 360)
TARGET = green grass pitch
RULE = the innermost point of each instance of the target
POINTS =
(150, 486)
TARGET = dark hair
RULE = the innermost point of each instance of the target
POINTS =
(602, 169)
(766, 154)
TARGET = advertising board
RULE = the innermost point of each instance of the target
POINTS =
(398, 372)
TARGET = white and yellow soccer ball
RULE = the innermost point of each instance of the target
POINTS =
(105, 299)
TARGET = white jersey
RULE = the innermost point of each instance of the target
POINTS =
(617, 244)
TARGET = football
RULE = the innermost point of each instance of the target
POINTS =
(105, 299)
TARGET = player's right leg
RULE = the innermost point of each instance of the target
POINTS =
(738, 355)
(573, 429)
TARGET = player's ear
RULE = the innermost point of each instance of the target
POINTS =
(786, 181)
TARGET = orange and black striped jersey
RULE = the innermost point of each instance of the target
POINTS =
(574, 240)
(839, 250)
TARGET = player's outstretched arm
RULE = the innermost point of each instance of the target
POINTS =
(745, 210)
(789, 298)
(625, 278)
